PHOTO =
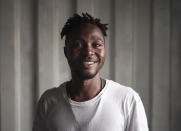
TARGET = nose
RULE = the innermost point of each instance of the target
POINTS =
(88, 50)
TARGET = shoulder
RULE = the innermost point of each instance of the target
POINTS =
(123, 94)
(119, 90)
(53, 92)
(51, 97)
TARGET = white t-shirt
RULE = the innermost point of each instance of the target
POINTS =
(115, 108)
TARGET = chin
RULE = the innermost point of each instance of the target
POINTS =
(86, 76)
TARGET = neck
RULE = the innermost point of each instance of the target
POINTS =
(82, 90)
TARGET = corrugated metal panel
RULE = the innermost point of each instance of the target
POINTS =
(143, 51)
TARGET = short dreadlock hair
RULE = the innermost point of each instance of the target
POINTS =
(78, 20)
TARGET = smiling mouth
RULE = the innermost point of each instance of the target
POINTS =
(88, 64)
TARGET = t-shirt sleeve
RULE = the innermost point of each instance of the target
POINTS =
(135, 113)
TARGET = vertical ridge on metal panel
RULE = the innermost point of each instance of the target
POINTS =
(161, 59)
(141, 50)
(123, 41)
(27, 50)
(7, 32)
(175, 65)
(17, 64)
(45, 48)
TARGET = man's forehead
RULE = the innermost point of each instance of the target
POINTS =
(92, 38)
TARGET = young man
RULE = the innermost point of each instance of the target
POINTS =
(88, 102)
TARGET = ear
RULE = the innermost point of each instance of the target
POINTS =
(65, 51)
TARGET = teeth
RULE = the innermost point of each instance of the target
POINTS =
(89, 62)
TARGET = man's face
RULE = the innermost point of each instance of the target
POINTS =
(85, 51)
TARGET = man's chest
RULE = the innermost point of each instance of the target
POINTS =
(100, 116)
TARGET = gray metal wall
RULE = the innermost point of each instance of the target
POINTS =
(143, 51)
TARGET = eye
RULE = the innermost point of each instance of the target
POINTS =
(96, 44)
(76, 44)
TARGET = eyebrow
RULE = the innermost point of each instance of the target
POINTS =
(92, 38)
(96, 38)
